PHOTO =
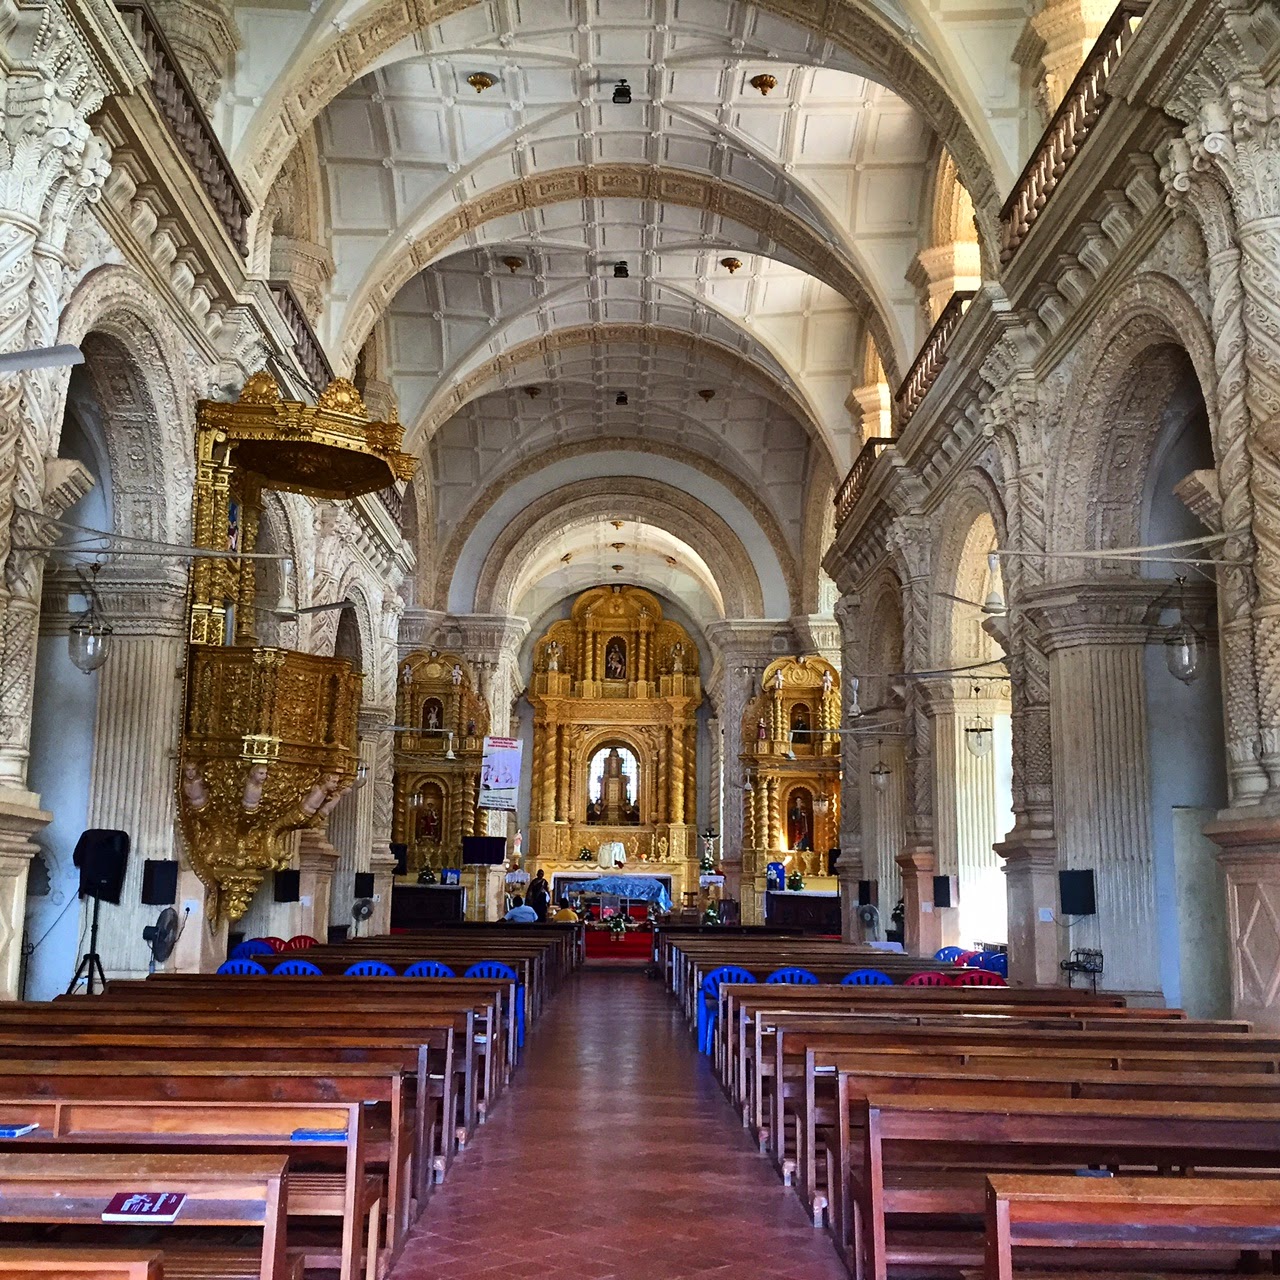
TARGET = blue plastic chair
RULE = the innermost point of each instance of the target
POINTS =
(296, 969)
(794, 977)
(369, 969)
(709, 1001)
(948, 955)
(241, 968)
(251, 947)
(495, 969)
(866, 978)
(994, 962)
(429, 969)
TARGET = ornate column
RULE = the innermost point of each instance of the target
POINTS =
(850, 869)
(1095, 635)
(922, 934)
(884, 808)
(912, 538)
(675, 773)
(59, 68)
(1016, 417)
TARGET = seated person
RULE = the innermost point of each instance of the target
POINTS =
(565, 914)
(519, 913)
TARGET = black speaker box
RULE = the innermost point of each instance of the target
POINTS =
(101, 855)
(866, 893)
(364, 884)
(287, 885)
(1075, 893)
(159, 882)
(946, 891)
(401, 854)
(490, 851)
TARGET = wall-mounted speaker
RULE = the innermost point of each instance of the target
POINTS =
(364, 884)
(866, 893)
(287, 885)
(1076, 893)
(101, 855)
(946, 891)
(159, 882)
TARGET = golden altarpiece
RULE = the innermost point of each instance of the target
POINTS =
(438, 756)
(791, 759)
(615, 693)
(269, 742)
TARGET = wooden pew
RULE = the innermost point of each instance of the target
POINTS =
(351, 1194)
(897, 1171)
(388, 1145)
(62, 1190)
(1125, 1217)
(17, 1263)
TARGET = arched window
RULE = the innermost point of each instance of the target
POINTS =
(613, 787)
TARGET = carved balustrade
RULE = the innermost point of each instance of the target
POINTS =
(928, 364)
(181, 111)
(1075, 118)
(306, 346)
(856, 481)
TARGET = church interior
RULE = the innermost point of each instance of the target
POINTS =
(529, 528)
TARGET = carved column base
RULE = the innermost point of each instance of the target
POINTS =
(317, 862)
(1031, 875)
(382, 862)
(20, 818)
(202, 947)
(848, 873)
(922, 925)
(1249, 844)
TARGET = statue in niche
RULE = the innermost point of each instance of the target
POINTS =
(194, 787)
(429, 823)
(432, 715)
(777, 680)
(456, 675)
(253, 786)
(828, 681)
(677, 658)
(762, 731)
(615, 660)
(800, 722)
(799, 827)
(553, 656)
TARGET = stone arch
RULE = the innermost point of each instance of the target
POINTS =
(819, 533)
(1104, 445)
(678, 513)
(140, 377)
(360, 44)
(450, 553)
(973, 522)
(407, 255)
(952, 258)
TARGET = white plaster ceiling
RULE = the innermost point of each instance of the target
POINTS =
(575, 559)
(746, 435)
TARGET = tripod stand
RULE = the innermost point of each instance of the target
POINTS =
(91, 963)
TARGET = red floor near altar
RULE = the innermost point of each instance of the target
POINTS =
(614, 1157)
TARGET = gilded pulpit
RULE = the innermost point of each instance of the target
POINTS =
(791, 760)
(615, 692)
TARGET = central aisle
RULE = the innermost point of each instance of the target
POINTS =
(614, 1156)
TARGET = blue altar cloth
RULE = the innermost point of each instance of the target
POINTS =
(640, 888)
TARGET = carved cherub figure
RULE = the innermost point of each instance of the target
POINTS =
(324, 787)
(194, 787)
(254, 783)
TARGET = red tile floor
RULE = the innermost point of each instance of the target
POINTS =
(614, 1157)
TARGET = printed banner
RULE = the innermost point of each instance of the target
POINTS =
(500, 773)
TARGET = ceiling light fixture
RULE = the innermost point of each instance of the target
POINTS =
(1183, 644)
(89, 635)
(764, 82)
(620, 270)
(622, 94)
(481, 80)
(617, 546)
(708, 394)
(617, 568)
(880, 773)
(512, 263)
(730, 264)
(533, 392)
(621, 398)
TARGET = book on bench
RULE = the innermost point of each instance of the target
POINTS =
(144, 1206)
(17, 1130)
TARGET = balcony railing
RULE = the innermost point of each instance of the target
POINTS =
(1074, 120)
(933, 355)
(306, 346)
(856, 481)
(393, 501)
(188, 123)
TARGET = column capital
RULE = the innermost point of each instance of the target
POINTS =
(1120, 612)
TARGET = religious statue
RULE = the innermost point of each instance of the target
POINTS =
(194, 788)
(471, 728)
(615, 660)
(429, 823)
(431, 716)
(456, 675)
(762, 731)
(799, 833)
(332, 802)
(253, 786)
(325, 786)
(677, 658)
(553, 656)
(828, 680)
(777, 680)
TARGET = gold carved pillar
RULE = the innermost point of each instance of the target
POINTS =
(562, 777)
(546, 741)
(677, 775)
(470, 790)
